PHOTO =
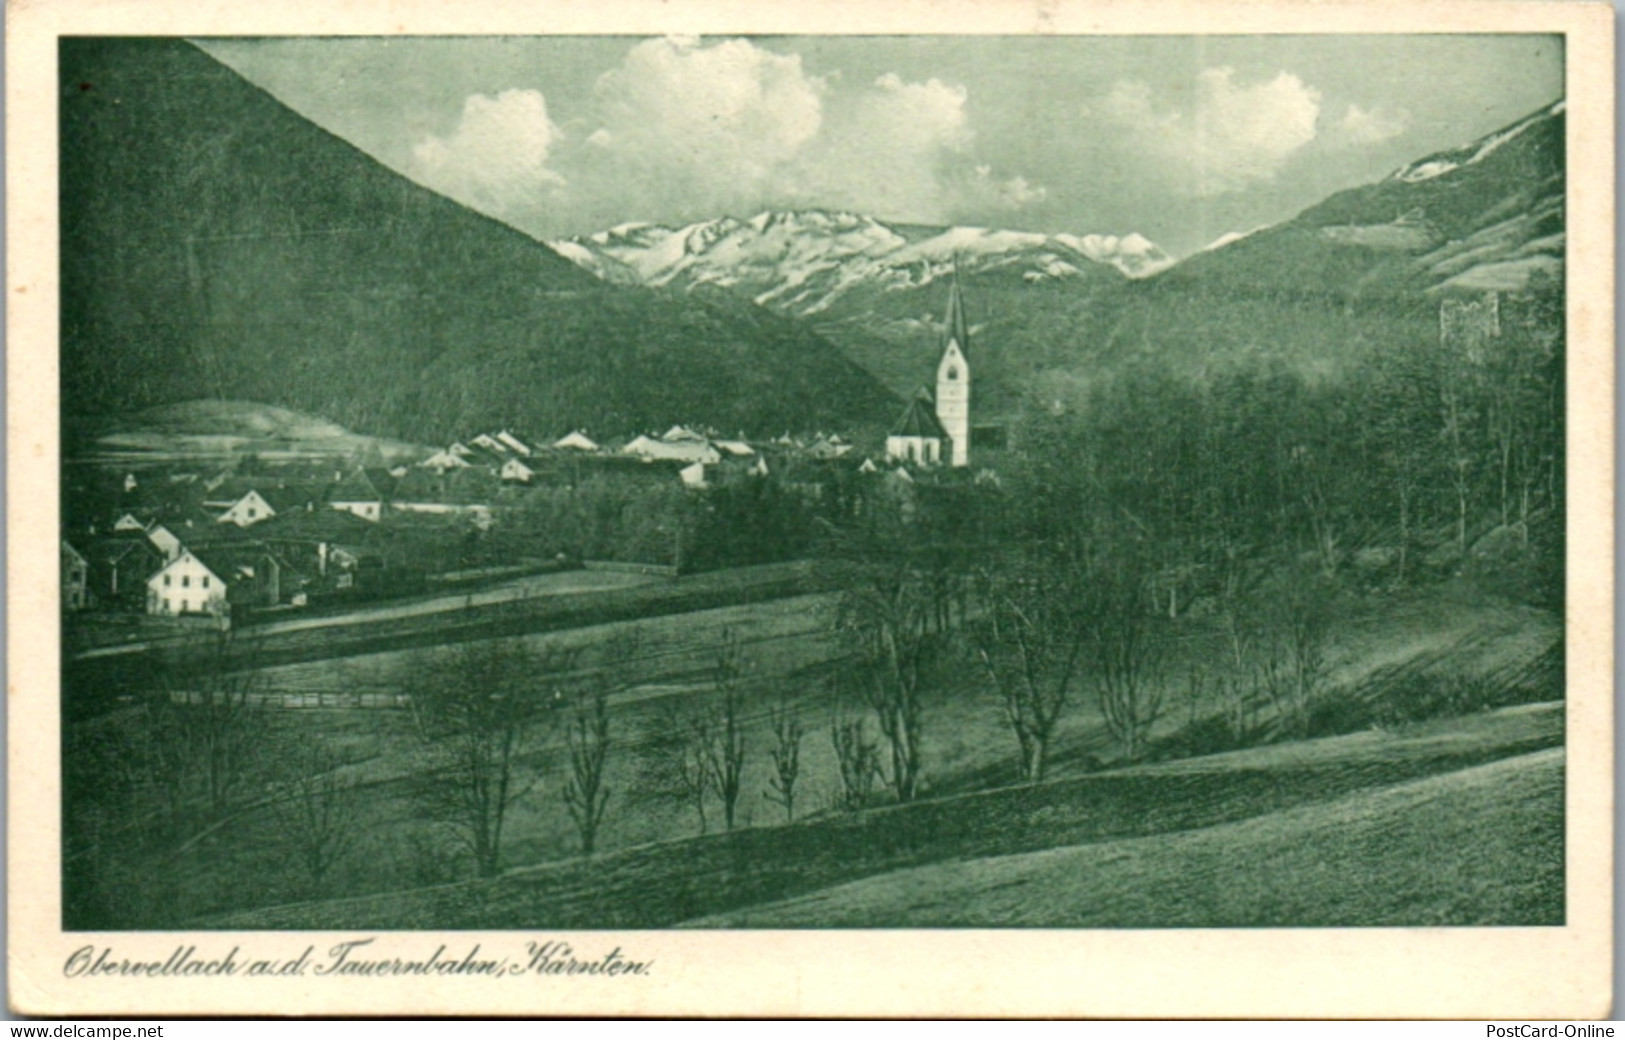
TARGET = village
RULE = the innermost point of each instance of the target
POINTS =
(174, 545)
(827, 552)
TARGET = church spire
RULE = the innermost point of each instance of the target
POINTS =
(957, 328)
(953, 377)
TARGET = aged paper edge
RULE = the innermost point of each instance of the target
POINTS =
(1345, 973)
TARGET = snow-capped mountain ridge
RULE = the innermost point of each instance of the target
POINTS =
(1440, 163)
(802, 261)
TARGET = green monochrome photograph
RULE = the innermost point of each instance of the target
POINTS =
(752, 481)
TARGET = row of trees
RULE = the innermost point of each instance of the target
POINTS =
(1387, 456)
(653, 519)
(1263, 493)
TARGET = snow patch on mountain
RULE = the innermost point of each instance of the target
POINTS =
(804, 261)
(1441, 163)
(1229, 237)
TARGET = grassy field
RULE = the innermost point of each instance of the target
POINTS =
(708, 878)
(968, 751)
(1479, 846)
(93, 684)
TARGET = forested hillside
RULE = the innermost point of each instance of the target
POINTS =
(217, 245)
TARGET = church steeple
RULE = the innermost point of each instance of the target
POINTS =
(953, 376)
(958, 329)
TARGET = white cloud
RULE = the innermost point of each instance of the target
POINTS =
(704, 124)
(887, 149)
(904, 151)
(496, 159)
(682, 129)
(1228, 136)
(1369, 126)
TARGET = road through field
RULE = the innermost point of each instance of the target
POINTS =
(776, 637)
(529, 587)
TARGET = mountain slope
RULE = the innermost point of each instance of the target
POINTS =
(808, 262)
(878, 290)
(1360, 274)
(1446, 222)
(216, 244)
(1478, 846)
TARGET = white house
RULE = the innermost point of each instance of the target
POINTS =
(165, 540)
(519, 446)
(75, 578)
(828, 448)
(514, 471)
(186, 585)
(128, 522)
(356, 494)
(738, 449)
(491, 444)
(681, 433)
(576, 441)
(676, 451)
(248, 510)
(441, 461)
(693, 476)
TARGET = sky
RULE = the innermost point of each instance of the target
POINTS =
(1181, 139)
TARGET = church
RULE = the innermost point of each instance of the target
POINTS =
(931, 430)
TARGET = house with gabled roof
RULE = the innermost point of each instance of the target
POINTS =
(575, 440)
(514, 443)
(325, 544)
(187, 585)
(826, 448)
(688, 451)
(490, 444)
(166, 540)
(213, 580)
(681, 433)
(455, 491)
(248, 510)
(515, 471)
(358, 495)
(118, 565)
(75, 578)
(693, 475)
(444, 460)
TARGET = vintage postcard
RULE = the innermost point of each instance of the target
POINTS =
(959, 509)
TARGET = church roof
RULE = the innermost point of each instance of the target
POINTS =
(956, 328)
(920, 419)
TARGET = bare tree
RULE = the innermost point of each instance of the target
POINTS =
(1122, 656)
(1030, 643)
(786, 754)
(318, 813)
(892, 620)
(1302, 613)
(477, 708)
(859, 761)
(585, 793)
(200, 736)
(724, 732)
(167, 765)
(677, 765)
